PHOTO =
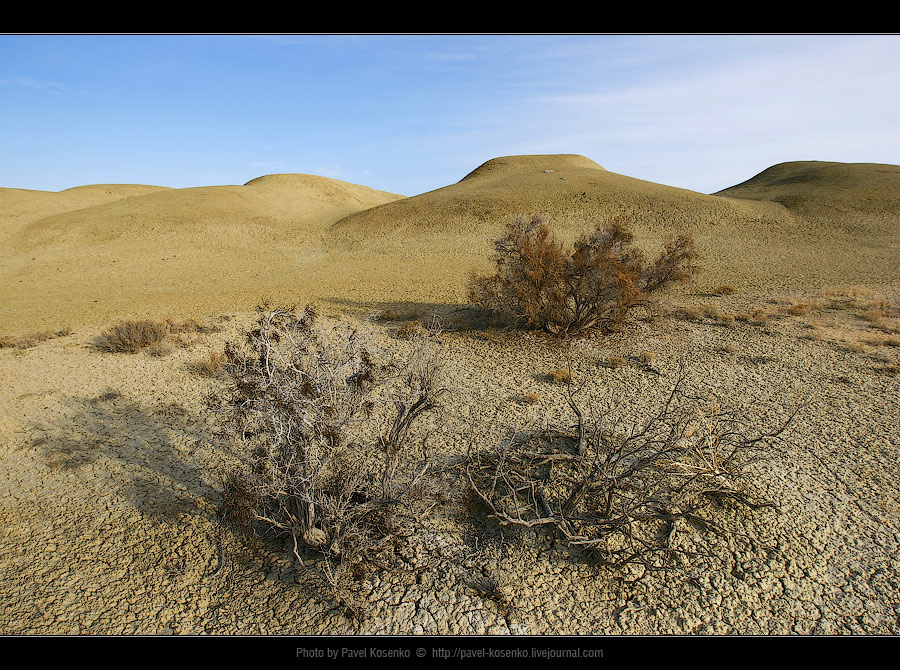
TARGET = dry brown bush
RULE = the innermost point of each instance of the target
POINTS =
(541, 284)
(296, 403)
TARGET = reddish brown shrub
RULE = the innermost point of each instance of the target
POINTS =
(541, 284)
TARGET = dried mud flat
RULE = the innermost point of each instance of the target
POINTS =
(110, 483)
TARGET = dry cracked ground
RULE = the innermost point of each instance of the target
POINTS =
(111, 480)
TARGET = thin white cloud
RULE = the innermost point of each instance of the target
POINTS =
(35, 84)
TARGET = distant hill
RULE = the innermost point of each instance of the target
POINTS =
(863, 196)
(20, 207)
(94, 254)
(575, 191)
(175, 251)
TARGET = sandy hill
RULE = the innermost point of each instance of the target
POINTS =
(758, 244)
(185, 252)
(172, 251)
(865, 196)
(20, 207)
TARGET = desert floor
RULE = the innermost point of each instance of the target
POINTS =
(110, 480)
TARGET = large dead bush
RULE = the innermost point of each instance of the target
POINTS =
(621, 493)
(541, 284)
(323, 430)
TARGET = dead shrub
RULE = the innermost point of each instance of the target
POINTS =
(622, 494)
(595, 284)
(297, 401)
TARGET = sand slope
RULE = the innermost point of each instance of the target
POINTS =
(172, 251)
(20, 207)
(861, 195)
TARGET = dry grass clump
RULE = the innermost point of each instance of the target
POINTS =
(561, 376)
(711, 312)
(614, 362)
(33, 339)
(799, 309)
(411, 330)
(531, 398)
(160, 337)
(131, 336)
(647, 357)
(725, 289)
(212, 365)
(539, 283)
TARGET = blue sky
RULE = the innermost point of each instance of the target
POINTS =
(411, 113)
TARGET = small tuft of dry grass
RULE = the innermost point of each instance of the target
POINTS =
(33, 339)
(729, 348)
(893, 369)
(212, 365)
(692, 313)
(561, 376)
(410, 330)
(647, 357)
(531, 398)
(725, 289)
(614, 362)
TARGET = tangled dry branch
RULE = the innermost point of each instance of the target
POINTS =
(618, 493)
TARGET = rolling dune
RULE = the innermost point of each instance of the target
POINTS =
(148, 251)
(173, 251)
